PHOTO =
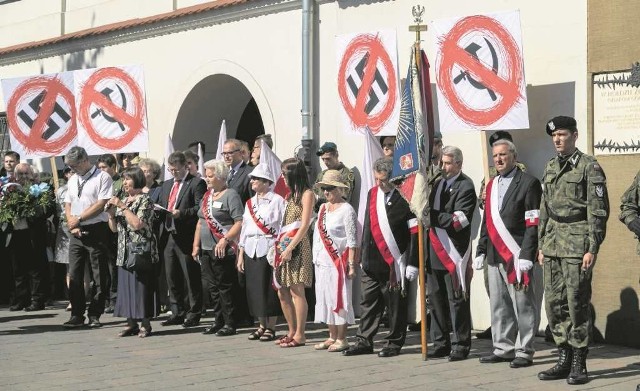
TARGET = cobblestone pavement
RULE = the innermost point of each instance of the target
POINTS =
(37, 353)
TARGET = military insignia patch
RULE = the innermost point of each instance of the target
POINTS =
(599, 191)
(597, 167)
(551, 126)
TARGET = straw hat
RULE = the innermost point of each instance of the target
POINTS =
(332, 178)
(261, 171)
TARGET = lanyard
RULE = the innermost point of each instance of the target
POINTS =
(81, 185)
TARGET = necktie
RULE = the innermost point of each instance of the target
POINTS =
(171, 204)
(230, 177)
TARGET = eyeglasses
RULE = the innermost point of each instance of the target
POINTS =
(390, 146)
(175, 169)
(230, 152)
(327, 188)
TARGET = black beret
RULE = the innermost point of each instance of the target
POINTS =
(500, 135)
(327, 147)
(561, 122)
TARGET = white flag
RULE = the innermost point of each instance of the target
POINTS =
(200, 160)
(168, 150)
(372, 152)
(222, 138)
(268, 158)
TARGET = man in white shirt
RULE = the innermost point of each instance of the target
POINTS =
(89, 189)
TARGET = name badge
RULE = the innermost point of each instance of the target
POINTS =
(217, 204)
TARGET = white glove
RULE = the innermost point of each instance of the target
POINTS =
(478, 262)
(411, 273)
(524, 265)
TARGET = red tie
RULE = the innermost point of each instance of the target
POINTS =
(171, 205)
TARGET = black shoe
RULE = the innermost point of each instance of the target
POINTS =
(172, 321)
(520, 362)
(17, 307)
(492, 359)
(226, 331)
(212, 329)
(438, 353)
(191, 323)
(94, 322)
(457, 356)
(414, 327)
(74, 321)
(109, 310)
(388, 352)
(357, 349)
(34, 307)
(485, 334)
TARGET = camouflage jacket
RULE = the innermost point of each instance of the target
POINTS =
(630, 205)
(347, 175)
(574, 208)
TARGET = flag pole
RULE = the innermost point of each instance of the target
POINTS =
(417, 12)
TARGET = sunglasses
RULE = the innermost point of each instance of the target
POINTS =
(327, 188)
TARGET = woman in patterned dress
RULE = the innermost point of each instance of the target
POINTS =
(133, 217)
(293, 262)
(334, 248)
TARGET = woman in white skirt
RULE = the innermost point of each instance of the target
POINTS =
(334, 248)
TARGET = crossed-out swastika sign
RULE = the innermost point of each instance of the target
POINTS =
(41, 114)
(368, 82)
(480, 73)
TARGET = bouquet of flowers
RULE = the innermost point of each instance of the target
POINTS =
(17, 201)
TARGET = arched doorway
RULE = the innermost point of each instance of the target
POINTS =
(214, 99)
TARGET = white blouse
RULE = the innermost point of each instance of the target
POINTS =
(270, 209)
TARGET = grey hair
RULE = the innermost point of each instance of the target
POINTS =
(76, 155)
(237, 144)
(219, 168)
(151, 164)
(510, 146)
(383, 165)
(453, 152)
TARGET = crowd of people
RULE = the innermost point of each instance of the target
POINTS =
(227, 240)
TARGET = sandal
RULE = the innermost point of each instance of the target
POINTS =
(338, 346)
(257, 334)
(292, 344)
(268, 335)
(324, 345)
(129, 331)
(284, 339)
(144, 333)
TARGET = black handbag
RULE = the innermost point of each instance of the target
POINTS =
(138, 257)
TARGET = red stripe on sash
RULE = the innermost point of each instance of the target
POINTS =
(263, 227)
(444, 257)
(339, 262)
(376, 233)
(213, 225)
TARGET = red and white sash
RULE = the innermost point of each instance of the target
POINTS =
(217, 229)
(442, 245)
(258, 220)
(288, 231)
(384, 239)
(502, 239)
(339, 260)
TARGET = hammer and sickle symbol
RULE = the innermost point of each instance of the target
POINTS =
(107, 93)
(472, 49)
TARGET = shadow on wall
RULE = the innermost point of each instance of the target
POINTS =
(623, 325)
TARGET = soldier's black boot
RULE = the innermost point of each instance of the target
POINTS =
(579, 373)
(562, 368)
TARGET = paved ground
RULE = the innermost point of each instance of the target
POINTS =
(38, 354)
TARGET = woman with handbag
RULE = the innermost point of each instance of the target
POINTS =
(334, 247)
(133, 218)
(260, 224)
(214, 244)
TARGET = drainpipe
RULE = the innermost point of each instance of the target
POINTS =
(307, 84)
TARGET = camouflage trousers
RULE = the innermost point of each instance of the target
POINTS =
(567, 301)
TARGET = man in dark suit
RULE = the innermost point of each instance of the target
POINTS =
(181, 196)
(509, 242)
(452, 202)
(389, 258)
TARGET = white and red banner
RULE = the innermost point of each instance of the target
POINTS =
(102, 110)
(368, 82)
(480, 74)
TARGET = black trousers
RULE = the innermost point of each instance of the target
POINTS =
(181, 268)
(445, 307)
(92, 247)
(375, 296)
(29, 264)
(218, 276)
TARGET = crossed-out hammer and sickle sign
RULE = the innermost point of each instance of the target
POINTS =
(472, 49)
(107, 92)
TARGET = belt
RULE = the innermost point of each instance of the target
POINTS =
(567, 219)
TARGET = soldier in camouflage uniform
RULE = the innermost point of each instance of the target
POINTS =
(328, 153)
(630, 209)
(573, 218)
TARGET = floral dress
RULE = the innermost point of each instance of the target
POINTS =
(299, 269)
(62, 235)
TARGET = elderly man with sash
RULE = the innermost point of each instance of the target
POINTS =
(452, 204)
(509, 242)
(390, 230)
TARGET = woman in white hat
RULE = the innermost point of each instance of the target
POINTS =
(334, 247)
(261, 222)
